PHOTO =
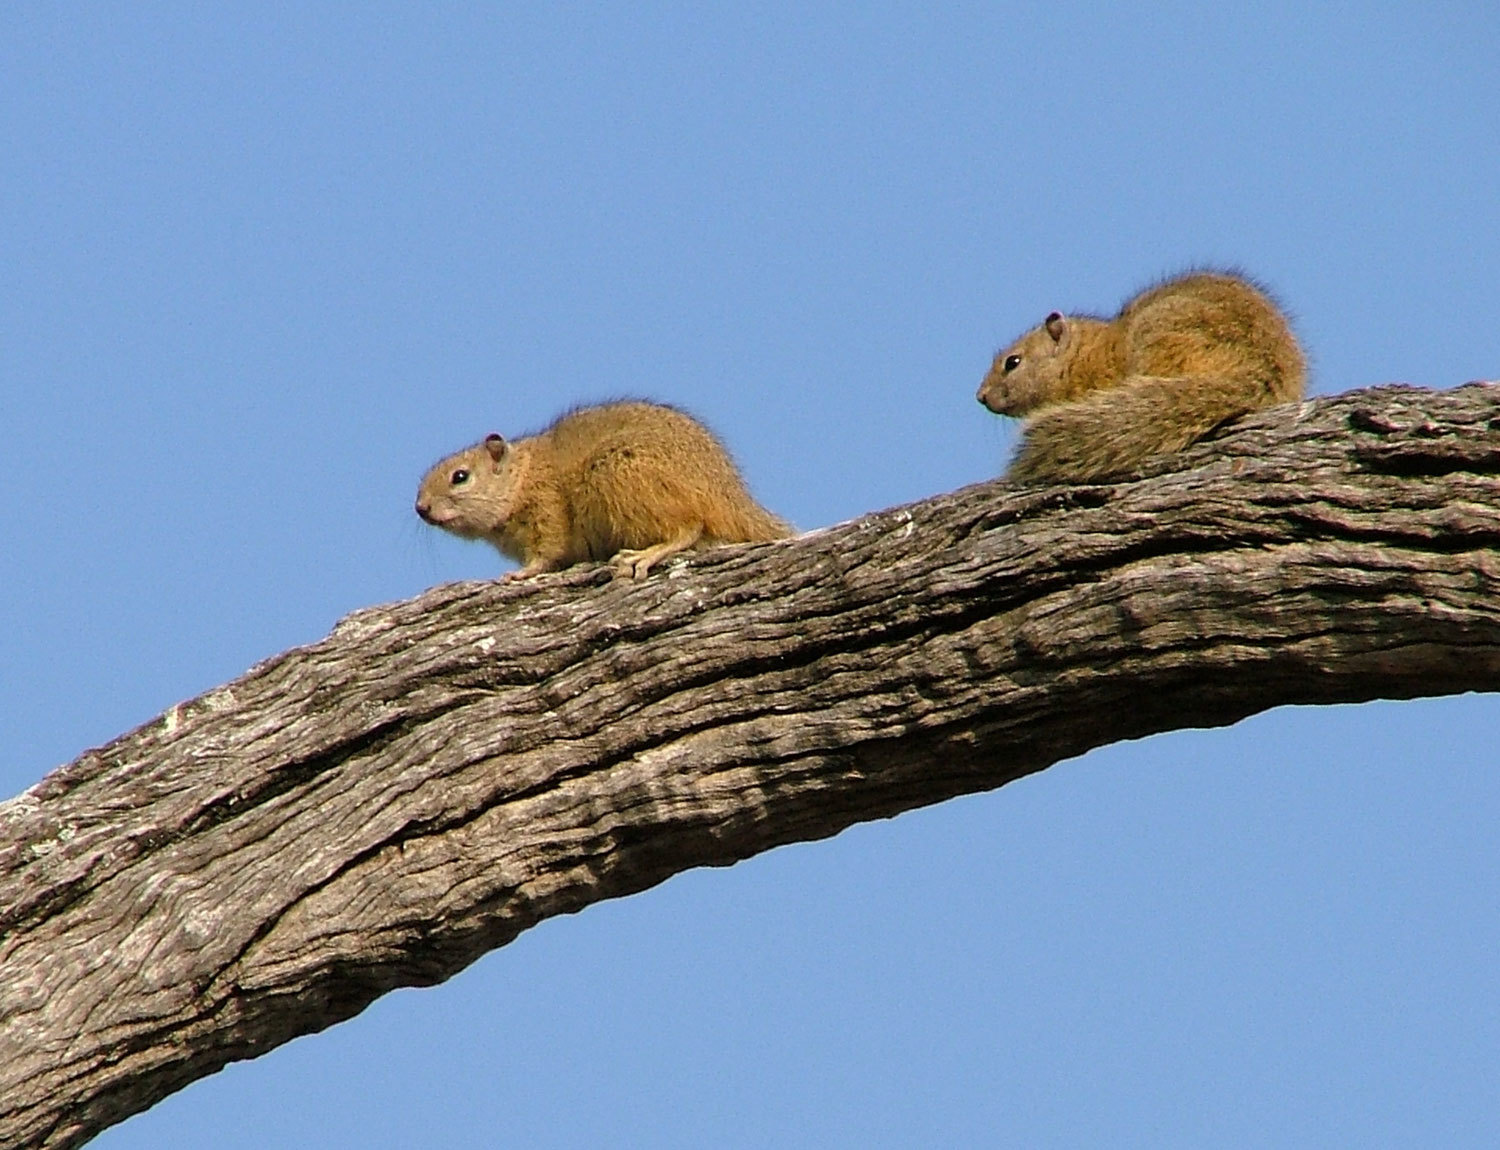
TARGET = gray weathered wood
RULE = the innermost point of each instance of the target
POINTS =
(378, 809)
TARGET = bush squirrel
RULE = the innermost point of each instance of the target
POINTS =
(631, 482)
(1182, 357)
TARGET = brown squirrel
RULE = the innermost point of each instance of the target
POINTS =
(631, 482)
(1182, 357)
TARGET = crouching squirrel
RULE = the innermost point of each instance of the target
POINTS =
(1179, 359)
(631, 482)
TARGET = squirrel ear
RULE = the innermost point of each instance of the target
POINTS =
(495, 445)
(1055, 325)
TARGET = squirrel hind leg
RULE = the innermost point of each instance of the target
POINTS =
(634, 564)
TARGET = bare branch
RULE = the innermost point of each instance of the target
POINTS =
(379, 809)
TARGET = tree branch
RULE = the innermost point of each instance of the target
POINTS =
(380, 808)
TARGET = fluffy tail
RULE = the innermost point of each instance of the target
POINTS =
(1112, 431)
(751, 524)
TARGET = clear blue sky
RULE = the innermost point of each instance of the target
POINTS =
(260, 265)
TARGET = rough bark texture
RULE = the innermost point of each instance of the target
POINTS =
(379, 809)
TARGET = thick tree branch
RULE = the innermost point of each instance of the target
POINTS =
(379, 809)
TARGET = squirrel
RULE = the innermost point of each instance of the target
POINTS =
(630, 481)
(1181, 358)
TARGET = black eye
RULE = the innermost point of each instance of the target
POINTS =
(1012, 362)
(460, 476)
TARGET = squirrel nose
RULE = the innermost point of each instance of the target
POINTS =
(424, 509)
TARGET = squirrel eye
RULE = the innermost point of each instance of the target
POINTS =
(1012, 362)
(460, 476)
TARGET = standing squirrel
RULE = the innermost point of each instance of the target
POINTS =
(631, 482)
(1181, 358)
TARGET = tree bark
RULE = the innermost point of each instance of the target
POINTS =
(380, 808)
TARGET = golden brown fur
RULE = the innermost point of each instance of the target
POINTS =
(631, 482)
(1182, 357)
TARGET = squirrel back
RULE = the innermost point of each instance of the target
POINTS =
(1179, 359)
(631, 482)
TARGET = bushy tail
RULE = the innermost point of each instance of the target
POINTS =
(753, 524)
(1112, 431)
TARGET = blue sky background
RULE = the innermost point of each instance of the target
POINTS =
(260, 265)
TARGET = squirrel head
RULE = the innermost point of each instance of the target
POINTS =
(1028, 374)
(473, 493)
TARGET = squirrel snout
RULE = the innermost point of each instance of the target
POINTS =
(424, 509)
